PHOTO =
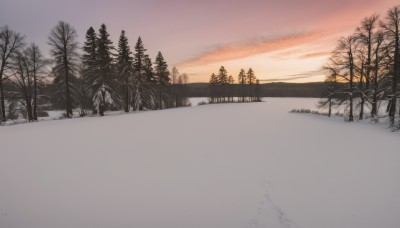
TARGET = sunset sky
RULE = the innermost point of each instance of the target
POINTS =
(285, 40)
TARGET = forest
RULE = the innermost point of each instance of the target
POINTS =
(96, 77)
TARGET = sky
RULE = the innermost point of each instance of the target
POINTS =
(282, 41)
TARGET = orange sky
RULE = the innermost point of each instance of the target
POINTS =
(285, 40)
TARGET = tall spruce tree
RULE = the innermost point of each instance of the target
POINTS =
(161, 75)
(124, 68)
(148, 69)
(142, 91)
(89, 57)
(104, 82)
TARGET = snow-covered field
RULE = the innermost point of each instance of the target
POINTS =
(210, 166)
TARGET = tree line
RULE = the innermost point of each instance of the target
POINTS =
(96, 77)
(222, 87)
(363, 70)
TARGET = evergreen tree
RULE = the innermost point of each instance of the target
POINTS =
(89, 51)
(148, 69)
(222, 76)
(161, 75)
(143, 90)
(124, 68)
(161, 70)
(251, 78)
(242, 82)
(104, 62)
(89, 70)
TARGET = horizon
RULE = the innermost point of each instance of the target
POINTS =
(280, 41)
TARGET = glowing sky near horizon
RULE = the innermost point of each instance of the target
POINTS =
(285, 40)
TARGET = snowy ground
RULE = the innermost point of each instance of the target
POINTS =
(210, 166)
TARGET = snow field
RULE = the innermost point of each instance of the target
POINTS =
(220, 165)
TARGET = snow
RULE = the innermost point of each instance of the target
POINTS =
(220, 165)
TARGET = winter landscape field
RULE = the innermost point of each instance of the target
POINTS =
(223, 165)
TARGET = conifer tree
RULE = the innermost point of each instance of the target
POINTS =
(148, 69)
(142, 90)
(105, 78)
(89, 57)
(251, 78)
(124, 68)
(242, 82)
(222, 76)
(161, 75)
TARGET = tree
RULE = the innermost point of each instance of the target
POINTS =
(251, 80)
(124, 68)
(37, 64)
(391, 26)
(144, 90)
(242, 81)
(62, 40)
(343, 59)
(212, 83)
(104, 61)
(365, 34)
(148, 69)
(22, 78)
(10, 43)
(378, 40)
(161, 75)
(175, 75)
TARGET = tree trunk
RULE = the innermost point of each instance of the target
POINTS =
(3, 106)
(34, 88)
(330, 107)
(392, 110)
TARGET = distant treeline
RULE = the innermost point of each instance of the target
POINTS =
(278, 89)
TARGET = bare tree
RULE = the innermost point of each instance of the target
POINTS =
(62, 40)
(10, 43)
(22, 77)
(343, 59)
(391, 26)
(37, 65)
(378, 39)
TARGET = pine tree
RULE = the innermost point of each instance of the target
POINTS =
(90, 50)
(104, 63)
(124, 68)
(148, 69)
(242, 82)
(89, 70)
(142, 88)
(213, 82)
(161, 70)
(222, 76)
(161, 75)
(251, 78)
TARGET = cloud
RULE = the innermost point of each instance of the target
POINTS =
(304, 75)
(315, 55)
(255, 46)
